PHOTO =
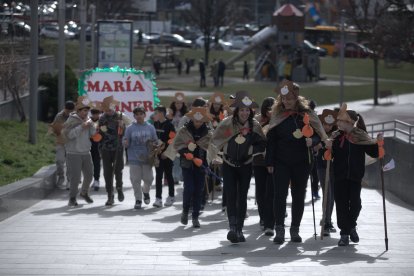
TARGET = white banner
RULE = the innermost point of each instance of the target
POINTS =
(130, 87)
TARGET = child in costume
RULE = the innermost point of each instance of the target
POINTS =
(191, 142)
(240, 137)
(351, 143)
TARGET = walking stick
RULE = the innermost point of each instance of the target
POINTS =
(381, 158)
(313, 202)
(327, 156)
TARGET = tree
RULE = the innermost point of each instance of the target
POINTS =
(381, 21)
(109, 9)
(208, 16)
(14, 80)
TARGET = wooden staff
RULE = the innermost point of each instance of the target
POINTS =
(381, 154)
(326, 190)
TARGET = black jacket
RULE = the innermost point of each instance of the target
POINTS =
(163, 130)
(239, 154)
(349, 159)
(283, 147)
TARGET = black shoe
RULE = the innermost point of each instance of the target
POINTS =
(240, 236)
(354, 235)
(280, 234)
(344, 240)
(86, 198)
(196, 223)
(137, 204)
(96, 188)
(294, 234)
(72, 202)
(121, 196)
(331, 228)
(232, 236)
(326, 232)
(110, 200)
(146, 198)
(184, 218)
(261, 224)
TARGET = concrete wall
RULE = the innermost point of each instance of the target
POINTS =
(22, 194)
(398, 181)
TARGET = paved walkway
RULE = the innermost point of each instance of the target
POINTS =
(53, 239)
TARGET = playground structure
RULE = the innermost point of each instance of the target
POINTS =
(161, 54)
(279, 49)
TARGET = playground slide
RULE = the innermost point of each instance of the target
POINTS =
(255, 41)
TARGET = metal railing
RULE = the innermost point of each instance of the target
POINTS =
(396, 128)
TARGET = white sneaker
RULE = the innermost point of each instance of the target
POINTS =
(169, 201)
(95, 185)
(157, 203)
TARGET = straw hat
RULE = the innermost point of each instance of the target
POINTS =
(243, 99)
(95, 105)
(343, 115)
(199, 114)
(83, 102)
(109, 103)
(217, 98)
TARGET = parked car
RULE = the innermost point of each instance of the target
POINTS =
(52, 31)
(240, 41)
(357, 50)
(222, 45)
(311, 48)
(172, 39)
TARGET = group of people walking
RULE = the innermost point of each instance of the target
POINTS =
(234, 139)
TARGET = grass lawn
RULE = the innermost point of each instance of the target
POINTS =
(19, 158)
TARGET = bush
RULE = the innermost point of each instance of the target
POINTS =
(49, 96)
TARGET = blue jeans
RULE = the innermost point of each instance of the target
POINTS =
(193, 190)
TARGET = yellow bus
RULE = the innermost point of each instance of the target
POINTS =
(328, 37)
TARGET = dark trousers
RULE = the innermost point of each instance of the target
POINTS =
(330, 196)
(348, 203)
(96, 159)
(315, 179)
(113, 164)
(165, 167)
(297, 175)
(236, 186)
(264, 195)
(202, 80)
(193, 190)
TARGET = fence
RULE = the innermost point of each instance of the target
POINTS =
(396, 128)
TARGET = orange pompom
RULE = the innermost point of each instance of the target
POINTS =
(189, 156)
(381, 152)
(171, 135)
(306, 119)
(198, 162)
(307, 131)
(327, 155)
(97, 137)
(221, 116)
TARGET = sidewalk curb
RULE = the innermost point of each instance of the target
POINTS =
(24, 193)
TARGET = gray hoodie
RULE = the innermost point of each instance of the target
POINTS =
(78, 138)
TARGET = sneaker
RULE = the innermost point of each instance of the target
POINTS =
(67, 185)
(121, 196)
(60, 181)
(146, 198)
(331, 229)
(110, 200)
(294, 234)
(354, 235)
(86, 197)
(169, 201)
(196, 223)
(184, 218)
(269, 232)
(316, 196)
(137, 204)
(72, 202)
(326, 232)
(344, 240)
(157, 203)
(95, 185)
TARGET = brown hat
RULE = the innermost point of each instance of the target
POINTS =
(288, 87)
(217, 98)
(243, 99)
(328, 116)
(83, 102)
(199, 114)
(109, 103)
(95, 105)
(343, 115)
(179, 97)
